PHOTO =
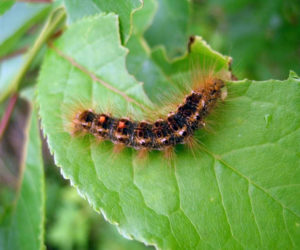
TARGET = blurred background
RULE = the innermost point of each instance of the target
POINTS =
(262, 37)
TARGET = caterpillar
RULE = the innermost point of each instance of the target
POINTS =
(162, 134)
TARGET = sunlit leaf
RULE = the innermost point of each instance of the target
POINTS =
(124, 8)
(237, 190)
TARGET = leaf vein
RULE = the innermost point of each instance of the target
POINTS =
(151, 209)
(252, 211)
(249, 180)
(95, 78)
(180, 207)
(286, 228)
(223, 205)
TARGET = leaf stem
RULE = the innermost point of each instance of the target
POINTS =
(55, 18)
(5, 119)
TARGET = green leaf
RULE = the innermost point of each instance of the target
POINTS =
(229, 26)
(139, 60)
(78, 9)
(23, 226)
(170, 26)
(237, 190)
(143, 18)
(5, 5)
(152, 66)
(11, 81)
(13, 28)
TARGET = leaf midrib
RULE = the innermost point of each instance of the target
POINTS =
(96, 78)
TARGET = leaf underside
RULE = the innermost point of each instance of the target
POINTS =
(236, 190)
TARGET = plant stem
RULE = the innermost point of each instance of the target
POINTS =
(55, 18)
(8, 112)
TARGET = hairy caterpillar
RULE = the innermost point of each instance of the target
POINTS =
(164, 131)
(177, 128)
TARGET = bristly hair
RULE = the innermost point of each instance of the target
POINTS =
(174, 119)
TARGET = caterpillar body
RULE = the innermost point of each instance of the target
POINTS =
(164, 133)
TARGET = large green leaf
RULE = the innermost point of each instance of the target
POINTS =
(238, 190)
(23, 226)
(124, 8)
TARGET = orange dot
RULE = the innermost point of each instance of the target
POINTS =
(121, 124)
(102, 119)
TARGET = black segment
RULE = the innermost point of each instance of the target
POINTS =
(162, 133)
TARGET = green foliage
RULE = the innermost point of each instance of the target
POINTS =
(14, 66)
(22, 226)
(21, 64)
(6, 5)
(76, 226)
(78, 9)
(261, 36)
(76, 231)
(219, 189)
(238, 189)
(170, 16)
(13, 28)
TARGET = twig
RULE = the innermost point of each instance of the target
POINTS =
(7, 114)
(56, 17)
